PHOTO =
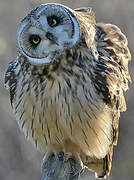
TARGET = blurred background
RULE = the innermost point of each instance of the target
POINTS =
(18, 159)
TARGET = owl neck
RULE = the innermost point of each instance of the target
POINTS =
(78, 56)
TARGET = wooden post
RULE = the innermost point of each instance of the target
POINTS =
(58, 169)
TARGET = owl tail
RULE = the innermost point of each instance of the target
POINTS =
(106, 166)
(101, 167)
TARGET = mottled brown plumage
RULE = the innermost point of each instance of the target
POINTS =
(73, 104)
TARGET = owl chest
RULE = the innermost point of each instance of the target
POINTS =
(51, 112)
(59, 99)
(39, 108)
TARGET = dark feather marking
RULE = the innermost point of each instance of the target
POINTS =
(72, 119)
(46, 103)
(33, 111)
(36, 143)
(18, 104)
(101, 86)
(20, 96)
(93, 131)
(32, 133)
(42, 127)
(32, 121)
(43, 113)
(87, 143)
(109, 42)
(70, 124)
(49, 77)
(48, 132)
(80, 118)
(25, 82)
(100, 33)
(56, 123)
(106, 135)
(80, 104)
(88, 124)
(69, 111)
(87, 92)
(23, 123)
(88, 115)
(55, 98)
(55, 66)
(22, 114)
(45, 71)
(59, 87)
(42, 103)
(84, 134)
(92, 111)
(28, 88)
(40, 118)
(45, 139)
(67, 80)
(68, 71)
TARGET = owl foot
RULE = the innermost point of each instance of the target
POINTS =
(77, 165)
(75, 162)
(68, 155)
(56, 166)
(61, 158)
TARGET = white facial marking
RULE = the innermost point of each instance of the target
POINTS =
(35, 30)
(44, 23)
(76, 35)
(40, 61)
(46, 42)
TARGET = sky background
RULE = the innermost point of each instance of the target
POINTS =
(18, 158)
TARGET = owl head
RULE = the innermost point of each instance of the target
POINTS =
(45, 32)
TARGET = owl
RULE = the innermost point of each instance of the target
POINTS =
(66, 84)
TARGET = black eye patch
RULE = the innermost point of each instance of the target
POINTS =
(34, 40)
(53, 20)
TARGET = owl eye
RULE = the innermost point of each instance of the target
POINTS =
(34, 40)
(52, 21)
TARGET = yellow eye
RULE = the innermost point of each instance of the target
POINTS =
(34, 40)
(54, 22)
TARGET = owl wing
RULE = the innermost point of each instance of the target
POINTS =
(11, 78)
(110, 80)
(112, 69)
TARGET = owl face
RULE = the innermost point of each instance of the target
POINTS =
(45, 32)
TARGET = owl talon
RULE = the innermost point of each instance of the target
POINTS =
(74, 160)
(79, 165)
(60, 157)
(46, 156)
(68, 156)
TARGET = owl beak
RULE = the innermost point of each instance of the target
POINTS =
(52, 38)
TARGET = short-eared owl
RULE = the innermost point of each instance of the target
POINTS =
(66, 84)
